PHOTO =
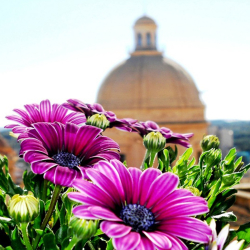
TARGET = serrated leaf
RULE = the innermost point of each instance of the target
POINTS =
(230, 180)
(49, 242)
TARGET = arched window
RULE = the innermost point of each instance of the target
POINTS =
(139, 39)
(148, 39)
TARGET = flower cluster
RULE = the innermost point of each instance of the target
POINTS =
(79, 188)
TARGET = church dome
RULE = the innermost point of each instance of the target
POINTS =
(145, 20)
(148, 81)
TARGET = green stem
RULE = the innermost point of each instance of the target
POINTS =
(72, 243)
(44, 194)
(47, 217)
(24, 227)
(90, 245)
(152, 158)
(145, 158)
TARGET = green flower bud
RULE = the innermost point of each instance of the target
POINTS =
(98, 120)
(195, 191)
(23, 208)
(210, 141)
(213, 157)
(154, 141)
(83, 229)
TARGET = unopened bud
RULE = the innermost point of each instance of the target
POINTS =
(23, 208)
(210, 141)
(213, 157)
(83, 229)
(98, 120)
(154, 141)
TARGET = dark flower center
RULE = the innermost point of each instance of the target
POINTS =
(66, 159)
(138, 217)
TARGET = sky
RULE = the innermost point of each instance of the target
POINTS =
(63, 49)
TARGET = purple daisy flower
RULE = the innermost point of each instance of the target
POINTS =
(143, 128)
(96, 108)
(140, 210)
(42, 113)
(62, 153)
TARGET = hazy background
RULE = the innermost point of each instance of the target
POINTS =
(63, 49)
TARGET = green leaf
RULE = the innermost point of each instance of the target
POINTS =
(220, 207)
(225, 217)
(110, 245)
(5, 220)
(49, 242)
(16, 242)
(39, 218)
(243, 233)
(61, 234)
(12, 187)
(99, 232)
(229, 180)
(3, 208)
(39, 231)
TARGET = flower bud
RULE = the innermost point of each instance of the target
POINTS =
(98, 120)
(83, 229)
(195, 191)
(213, 157)
(23, 208)
(210, 141)
(154, 141)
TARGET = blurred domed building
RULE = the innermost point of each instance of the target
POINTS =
(148, 86)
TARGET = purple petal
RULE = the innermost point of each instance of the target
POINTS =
(79, 197)
(85, 137)
(187, 233)
(175, 195)
(114, 229)
(31, 156)
(136, 174)
(69, 136)
(109, 170)
(127, 242)
(19, 129)
(32, 144)
(18, 119)
(161, 187)
(146, 244)
(48, 135)
(108, 156)
(41, 167)
(104, 183)
(146, 179)
(70, 107)
(159, 239)
(83, 213)
(126, 179)
(104, 213)
(60, 114)
(91, 190)
(62, 176)
(33, 113)
(45, 110)
(184, 209)
(177, 244)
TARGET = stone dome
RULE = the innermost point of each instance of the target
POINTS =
(148, 81)
(147, 84)
(145, 20)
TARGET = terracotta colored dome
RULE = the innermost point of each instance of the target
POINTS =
(145, 20)
(148, 81)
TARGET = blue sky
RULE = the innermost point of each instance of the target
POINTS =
(63, 49)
